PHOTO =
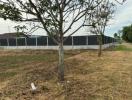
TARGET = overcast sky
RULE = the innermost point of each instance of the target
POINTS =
(122, 17)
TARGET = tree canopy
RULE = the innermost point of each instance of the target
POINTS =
(127, 33)
(99, 19)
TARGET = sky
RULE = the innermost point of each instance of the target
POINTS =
(122, 17)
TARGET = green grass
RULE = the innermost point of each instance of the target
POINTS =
(13, 61)
(6, 75)
(23, 58)
(122, 48)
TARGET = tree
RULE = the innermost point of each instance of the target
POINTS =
(50, 15)
(119, 36)
(127, 33)
(99, 19)
(120, 2)
(115, 35)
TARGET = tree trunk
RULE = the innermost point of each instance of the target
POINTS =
(100, 50)
(61, 63)
(100, 45)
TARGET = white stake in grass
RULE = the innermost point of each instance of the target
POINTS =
(33, 87)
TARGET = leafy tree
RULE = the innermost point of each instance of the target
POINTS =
(119, 36)
(127, 33)
(115, 35)
(99, 20)
(19, 28)
(50, 15)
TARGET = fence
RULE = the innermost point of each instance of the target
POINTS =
(44, 42)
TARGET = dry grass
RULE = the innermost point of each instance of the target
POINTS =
(87, 76)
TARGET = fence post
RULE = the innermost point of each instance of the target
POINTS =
(103, 40)
(25, 41)
(7, 41)
(87, 40)
(72, 42)
(106, 40)
(47, 41)
(16, 42)
(36, 41)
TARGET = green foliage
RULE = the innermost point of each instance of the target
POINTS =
(8, 12)
(118, 37)
(115, 35)
(7, 74)
(127, 33)
(19, 28)
(81, 1)
(122, 48)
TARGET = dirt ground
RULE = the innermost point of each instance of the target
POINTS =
(87, 77)
(128, 45)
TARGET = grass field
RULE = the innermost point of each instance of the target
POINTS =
(87, 76)
(122, 48)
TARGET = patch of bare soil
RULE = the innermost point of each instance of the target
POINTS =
(87, 77)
